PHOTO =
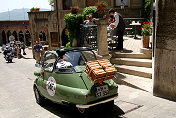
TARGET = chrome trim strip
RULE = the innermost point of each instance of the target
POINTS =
(101, 102)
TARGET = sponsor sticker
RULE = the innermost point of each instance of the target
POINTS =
(51, 86)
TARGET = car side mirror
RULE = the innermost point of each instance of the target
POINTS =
(37, 73)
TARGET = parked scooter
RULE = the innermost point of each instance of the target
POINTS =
(8, 55)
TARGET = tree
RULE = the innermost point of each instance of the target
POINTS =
(51, 2)
(146, 9)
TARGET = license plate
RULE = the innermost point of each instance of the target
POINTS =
(102, 91)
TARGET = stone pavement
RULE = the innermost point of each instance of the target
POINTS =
(20, 103)
(140, 104)
(132, 45)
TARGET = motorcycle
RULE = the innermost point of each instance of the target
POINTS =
(8, 55)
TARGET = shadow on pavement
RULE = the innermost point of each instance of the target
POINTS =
(120, 79)
(100, 111)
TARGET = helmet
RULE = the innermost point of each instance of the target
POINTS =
(36, 42)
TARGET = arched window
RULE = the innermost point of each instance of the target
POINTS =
(3, 37)
(21, 36)
(27, 37)
(67, 4)
(15, 35)
(8, 34)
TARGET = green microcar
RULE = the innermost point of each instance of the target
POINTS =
(62, 80)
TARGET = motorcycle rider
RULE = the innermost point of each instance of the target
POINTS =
(7, 51)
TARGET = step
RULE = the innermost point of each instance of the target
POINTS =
(131, 55)
(132, 62)
(147, 51)
(133, 81)
(133, 70)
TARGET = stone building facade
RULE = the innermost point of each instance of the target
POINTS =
(52, 23)
(44, 28)
(19, 29)
(165, 50)
(132, 9)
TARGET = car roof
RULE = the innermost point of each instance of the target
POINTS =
(74, 49)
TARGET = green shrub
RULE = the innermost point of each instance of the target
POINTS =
(92, 10)
(68, 45)
(146, 9)
(73, 22)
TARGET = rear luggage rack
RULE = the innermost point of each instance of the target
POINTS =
(100, 70)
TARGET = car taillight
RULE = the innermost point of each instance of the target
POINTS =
(101, 83)
(9, 55)
(86, 96)
(42, 73)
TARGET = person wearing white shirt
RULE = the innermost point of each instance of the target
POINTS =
(118, 26)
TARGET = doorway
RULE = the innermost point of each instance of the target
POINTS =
(3, 37)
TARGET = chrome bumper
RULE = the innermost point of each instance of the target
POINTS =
(101, 102)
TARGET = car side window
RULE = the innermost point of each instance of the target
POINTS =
(48, 62)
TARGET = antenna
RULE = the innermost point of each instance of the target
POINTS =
(24, 13)
(9, 13)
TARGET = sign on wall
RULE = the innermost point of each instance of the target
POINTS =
(121, 2)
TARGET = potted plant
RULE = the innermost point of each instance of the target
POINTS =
(146, 33)
(34, 9)
(101, 9)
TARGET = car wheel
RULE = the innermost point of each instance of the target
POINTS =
(38, 97)
(81, 110)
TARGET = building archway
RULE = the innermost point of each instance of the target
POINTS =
(42, 36)
(21, 36)
(8, 35)
(27, 37)
(15, 35)
(3, 37)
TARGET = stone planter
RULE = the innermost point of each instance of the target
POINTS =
(102, 37)
(145, 41)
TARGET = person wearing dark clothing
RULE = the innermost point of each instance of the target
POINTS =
(65, 37)
(119, 26)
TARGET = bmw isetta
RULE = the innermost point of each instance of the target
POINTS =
(63, 80)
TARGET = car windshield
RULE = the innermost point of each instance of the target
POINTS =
(74, 61)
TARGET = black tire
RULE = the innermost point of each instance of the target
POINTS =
(110, 104)
(82, 110)
(39, 99)
(10, 60)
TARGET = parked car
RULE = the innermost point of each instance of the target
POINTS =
(62, 80)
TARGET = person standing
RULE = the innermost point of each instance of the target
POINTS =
(37, 50)
(119, 27)
(23, 46)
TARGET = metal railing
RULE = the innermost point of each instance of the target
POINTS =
(88, 35)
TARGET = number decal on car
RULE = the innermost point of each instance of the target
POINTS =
(51, 86)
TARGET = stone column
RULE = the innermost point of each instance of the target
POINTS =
(102, 37)
(165, 50)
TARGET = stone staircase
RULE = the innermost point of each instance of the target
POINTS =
(138, 64)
